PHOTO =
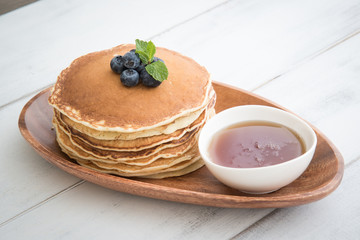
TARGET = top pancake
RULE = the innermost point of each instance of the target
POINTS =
(88, 92)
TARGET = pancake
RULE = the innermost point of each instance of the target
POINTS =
(167, 148)
(178, 167)
(154, 166)
(175, 173)
(65, 142)
(88, 92)
(178, 123)
(123, 151)
(132, 132)
(134, 144)
(159, 166)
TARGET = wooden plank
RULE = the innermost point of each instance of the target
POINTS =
(246, 43)
(26, 179)
(10, 5)
(335, 217)
(93, 212)
(117, 213)
(324, 91)
(43, 38)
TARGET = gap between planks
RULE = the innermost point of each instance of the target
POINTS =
(208, 10)
(149, 38)
(24, 96)
(305, 60)
(42, 202)
(190, 19)
(277, 210)
(273, 212)
(73, 186)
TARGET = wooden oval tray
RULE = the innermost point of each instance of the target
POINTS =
(322, 176)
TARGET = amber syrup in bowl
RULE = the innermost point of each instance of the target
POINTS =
(255, 144)
(256, 149)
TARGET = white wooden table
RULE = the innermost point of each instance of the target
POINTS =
(301, 54)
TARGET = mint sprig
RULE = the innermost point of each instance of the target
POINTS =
(158, 70)
(146, 52)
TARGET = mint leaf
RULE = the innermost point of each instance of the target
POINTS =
(150, 49)
(158, 70)
(141, 45)
(146, 52)
(143, 56)
(141, 50)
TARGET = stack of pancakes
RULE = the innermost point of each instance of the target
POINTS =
(132, 132)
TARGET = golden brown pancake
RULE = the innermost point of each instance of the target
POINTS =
(142, 158)
(137, 131)
(175, 173)
(133, 144)
(178, 123)
(176, 167)
(88, 92)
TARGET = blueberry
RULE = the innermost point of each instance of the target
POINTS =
(148, 80)
(117, 64)
(129, 77)
(131, 60)
(155, 59)
(140, 67)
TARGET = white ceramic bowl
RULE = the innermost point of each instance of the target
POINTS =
(261, 179)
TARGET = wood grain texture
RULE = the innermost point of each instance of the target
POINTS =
(247, 43)
(94, 212)
(57, 32)
(300, 54)
(25, 179)
(200, 187)
(320, 220)
(325, 91)
(273, 36)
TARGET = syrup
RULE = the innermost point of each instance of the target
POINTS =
(255, 144)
